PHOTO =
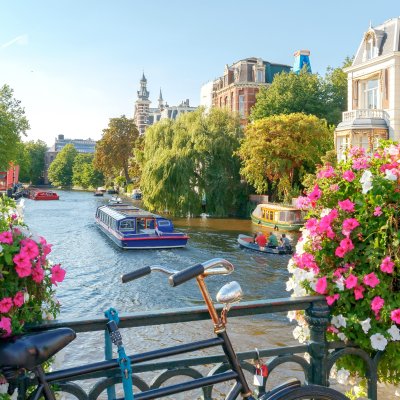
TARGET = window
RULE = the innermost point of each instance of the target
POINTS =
(369, 48)
(260, 76)
(370, 94)
(342, 144)
(241, 105)
(361, 140)
(127, 225)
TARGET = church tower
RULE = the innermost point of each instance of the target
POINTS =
(142, 105)
(160, 102)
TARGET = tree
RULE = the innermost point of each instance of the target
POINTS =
(32, 169)
(61, 169)
(12, 124)
(115, 148)
(84, 173)
(290, 93)
(278, 150)
(191, 159)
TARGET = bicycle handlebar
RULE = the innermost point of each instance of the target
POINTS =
(215, 266)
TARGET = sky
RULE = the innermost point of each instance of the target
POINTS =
(76, 64)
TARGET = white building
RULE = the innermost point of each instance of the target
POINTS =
(206, 92)
(373, 91)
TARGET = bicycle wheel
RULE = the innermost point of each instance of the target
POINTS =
(308, 392)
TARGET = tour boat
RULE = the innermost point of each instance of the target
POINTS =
(248, 242)
(133, 228)
(278, 217)
(36, 194)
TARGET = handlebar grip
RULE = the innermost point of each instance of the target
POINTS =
(186, 274)
(131, 276)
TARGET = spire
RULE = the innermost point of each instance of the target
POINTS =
(143, 93)
(160, 101)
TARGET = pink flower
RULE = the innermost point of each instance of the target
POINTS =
(30, 248)
(302, 202)
(306, 260)
(46, 248)
(23, 265)
(334, 187)
(387, 265)
(395, 316)
(340, 252)
(5, 305)
(315, 194)
(371, 280)
(376, 304)
(349, 175)
(331, 299)
(37, 274)
(327, 172)
(377, 212)
(19, 299)
(346, 205)
(311, 224)
(348, 225)
(57, 274)
(351, 281)
(347, 244)
(358, 292)
(332, 329)
(6, 237)
(321, 285)
(360, 163)
(5, 325)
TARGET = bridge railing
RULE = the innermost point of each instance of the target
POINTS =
(323, 355)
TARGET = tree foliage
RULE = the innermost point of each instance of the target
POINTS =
(61, 169)
(31, 161)
(84, 173)
(278, 150)
(304, 93)
(191, 159)
(115, 149)
(13, 123)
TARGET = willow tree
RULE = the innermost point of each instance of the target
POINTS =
(116, 146)
(277, 150)
(189, 160)
(84, 173)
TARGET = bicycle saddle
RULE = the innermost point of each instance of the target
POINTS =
(29, 351)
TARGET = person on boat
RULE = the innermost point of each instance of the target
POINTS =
(286, 242)
(255, 238)
(261, 240)
(272, 240)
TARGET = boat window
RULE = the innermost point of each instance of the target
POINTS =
(128, 224)
(268, 214)
(163, 223)
(141, 223)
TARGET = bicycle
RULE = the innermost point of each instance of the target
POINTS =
(30, 351)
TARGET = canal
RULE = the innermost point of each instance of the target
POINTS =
(94, 266)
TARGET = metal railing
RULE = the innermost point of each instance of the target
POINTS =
(323, 355)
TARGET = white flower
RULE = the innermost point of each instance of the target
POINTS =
(339, 321)
(301, 333)
(394, 332)
(342, 336)
(378, 341)
(343, 376)
(393, 150)
(340, 284)
(366, 325)
(325, 212)
(1, 248)
(390, 175)
(366, 181)
(26, 297)
(291, 315)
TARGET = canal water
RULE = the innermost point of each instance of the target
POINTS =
(94, 265)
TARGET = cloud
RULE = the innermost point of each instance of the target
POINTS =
(21, 40)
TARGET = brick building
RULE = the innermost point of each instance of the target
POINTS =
(237, 88)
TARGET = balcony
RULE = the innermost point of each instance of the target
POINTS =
(349, 116)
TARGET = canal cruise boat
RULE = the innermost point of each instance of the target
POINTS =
(133, 228)
(278, 217)
(37, 194)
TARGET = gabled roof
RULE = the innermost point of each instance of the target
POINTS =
(387, 40)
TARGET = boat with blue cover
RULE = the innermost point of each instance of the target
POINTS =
(133, 228)
(248, 243)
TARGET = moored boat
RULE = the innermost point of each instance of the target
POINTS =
(278, 217)
(133, 228)
(98, 193)
(137, 194)
(37, 194)
(248, 242)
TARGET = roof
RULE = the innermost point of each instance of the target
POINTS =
(121, 211)
(387, 37)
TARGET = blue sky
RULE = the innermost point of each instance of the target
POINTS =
(75, 64)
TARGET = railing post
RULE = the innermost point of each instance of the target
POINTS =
(317, 317)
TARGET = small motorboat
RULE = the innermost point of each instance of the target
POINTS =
(36, 194)
(137, 194)
(98, 193)
(248, 243)
(115, 200)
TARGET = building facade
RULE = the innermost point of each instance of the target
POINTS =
(81, 146)
(373, 109)
(144, 115)
(236, 90)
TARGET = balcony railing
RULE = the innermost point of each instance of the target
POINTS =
(323, 355)
(365, 113)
